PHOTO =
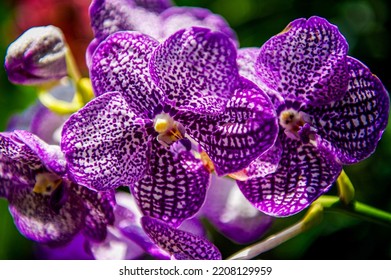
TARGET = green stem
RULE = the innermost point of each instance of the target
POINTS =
(355, 209)
(311, 218)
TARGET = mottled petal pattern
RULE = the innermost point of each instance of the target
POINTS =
(156, 6)
(175, 187)
(177, 18)
(36, 220)
(306, 62)
(99, 211)
(196, 69)
(105, 144)
(231, 213)
(12, 148)
(5, 184)
(110, 16)
(266, 163)
(120, 63)
(180, 244)
(352, 127)
(246, 129)
(51, 156)
(304, 173)
(246, 62)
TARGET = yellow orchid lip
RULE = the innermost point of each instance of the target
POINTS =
(168, 129)
(46, 183)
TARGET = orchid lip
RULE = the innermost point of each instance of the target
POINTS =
(168, 129)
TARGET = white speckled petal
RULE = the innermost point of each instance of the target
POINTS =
(51, 156)
(175, 187)
(246, 129)
(196, 70)
(180, 244)
(105, 144)
(37, 220)
(306, 62)
(266, 163)
(247, 58)
(110, 16)
(12, 148)
(352, 127)
(304, 173)
(176, 18)
(120, 63)
(99, 211)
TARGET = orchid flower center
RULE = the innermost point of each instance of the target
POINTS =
(168, 129)
(46, 183)
(297, 125)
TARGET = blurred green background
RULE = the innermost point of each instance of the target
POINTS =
(364, 23)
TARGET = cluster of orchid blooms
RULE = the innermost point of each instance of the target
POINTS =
(194, 126)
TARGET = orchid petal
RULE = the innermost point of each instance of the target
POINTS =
(178, 242)
(196, 70)
(246, 130)
(306, 62)
(37, 220)
(304, 173)
(105, 144)
(175, 187)
(120, 63)
(176, 18)
(352, 127)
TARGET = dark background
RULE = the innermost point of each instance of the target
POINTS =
(364, 23)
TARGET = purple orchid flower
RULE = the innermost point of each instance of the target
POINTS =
(47, 207)
(332, 111)
(151, 98)
(158, 19)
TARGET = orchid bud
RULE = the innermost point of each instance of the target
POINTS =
(37, 56)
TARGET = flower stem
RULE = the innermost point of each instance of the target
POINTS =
(355, 209)
(312, 217)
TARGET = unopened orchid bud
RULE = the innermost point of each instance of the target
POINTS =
(37, 56)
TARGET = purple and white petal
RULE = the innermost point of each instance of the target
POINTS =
(110, 16)
(246, 62)
(231, 213)
(352, 127)
(99, 211)
(157, 6)
(14, 172)
(127, 221)
(196, 70)
(305, 172)
(5, 184)
(74, 250)
(179, 244)
(177, 18)
(37, 220)
(13, 149)
(174, 189)
(246, 130)
(120, 63)
(266, 164)
(51, 156)
(105, 144)
(306, 62)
